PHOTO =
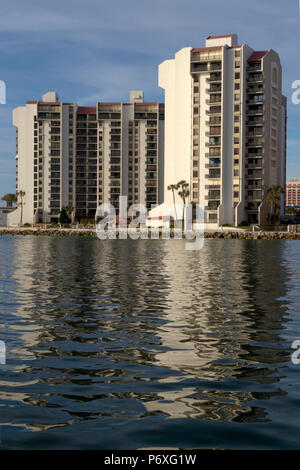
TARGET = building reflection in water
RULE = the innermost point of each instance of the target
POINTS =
(136, 328)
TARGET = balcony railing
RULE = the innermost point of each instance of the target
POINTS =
(213, 144)
(217, 110)
(255, 122)
(214, 101)
(256, 133)
(255, 111)
(254, 166)
(214, 89)
(214, 78)
(199, 67)
(213, 175)
(255, 78)
(213, 133)
(212, 207)
(213, 165)
(216, 66)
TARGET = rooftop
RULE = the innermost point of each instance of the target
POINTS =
(257, 55)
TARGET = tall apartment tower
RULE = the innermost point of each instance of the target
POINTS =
(70, 155)
(45, 152)
(225, 130)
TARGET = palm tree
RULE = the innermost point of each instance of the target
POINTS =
(273, 197)
(183, 193)
(173, 188)
(9, 198)
(69, 210)
(20, 194)
(291, 211)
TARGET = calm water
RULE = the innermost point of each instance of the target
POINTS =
(137, 344)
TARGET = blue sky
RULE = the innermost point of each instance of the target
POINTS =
(90, 50)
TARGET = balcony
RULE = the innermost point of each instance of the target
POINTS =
(213, 165)
(214, 77)
(214, 110)
(254, 187)
(198, 67)
(212, 206)
(254, 143)
(255, 89)
(255, 122)
(216, 143)
(216, 66)
(255, 176)
(214, 174)
(214, 89)
(214, 121)
(256, 111)
(213, 133)
(259, 133)
(254, 166)
(254, 67)
(217, 100)
(256, 78)
(257, 100)
(213, 196)
(254, 198)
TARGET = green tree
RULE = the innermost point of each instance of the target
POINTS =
(183, 193)
(273, 197)
(291, 211)
(173, 188)
(10, 199)
(63, 216)
(69, 210)
(20, 195)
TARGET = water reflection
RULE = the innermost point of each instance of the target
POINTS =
(136, 329)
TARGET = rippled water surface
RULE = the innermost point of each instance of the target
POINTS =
(133, 344)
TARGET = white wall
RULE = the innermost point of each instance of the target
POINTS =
(175, 78)
(23, 119)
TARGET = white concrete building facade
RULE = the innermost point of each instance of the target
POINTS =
(80, 157)
(225, 128)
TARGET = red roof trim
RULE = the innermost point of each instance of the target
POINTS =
(146, 103)
(107, 104)
(257, 55)
(86, 110)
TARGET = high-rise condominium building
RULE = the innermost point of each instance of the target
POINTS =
(293, 192)
(225, 130)
(69, 155)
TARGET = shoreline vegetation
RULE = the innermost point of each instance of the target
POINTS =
(84, 232)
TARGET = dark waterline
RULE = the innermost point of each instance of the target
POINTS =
(133, 344)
